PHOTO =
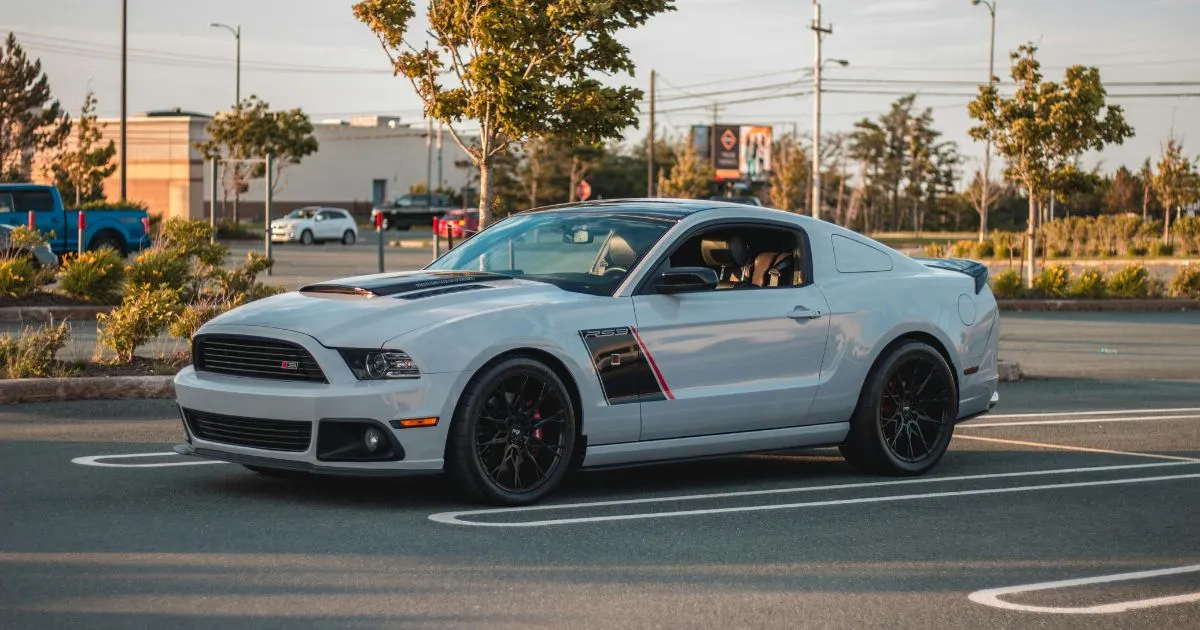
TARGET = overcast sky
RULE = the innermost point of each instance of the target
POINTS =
(313, 54)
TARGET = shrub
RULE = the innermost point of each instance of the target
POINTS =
(1186, 283)
(94, 276)
(1158, 248)
(1052, 281)
(143, 315)
(982, 250)
(1136, 250)
(31, 354)
(158, 267)
(1007, 284)
(193, 317)
(962, 249)
(1088, 284)
(124, 204)
(1130, 282)
(1006, 244)
(226, 228)
(932, 250)
(18, 277)
(191, 239)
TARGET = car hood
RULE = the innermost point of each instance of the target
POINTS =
(366, 311)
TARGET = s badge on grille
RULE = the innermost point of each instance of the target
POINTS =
(290, 365)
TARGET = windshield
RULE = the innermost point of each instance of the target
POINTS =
(576, 251)
(302, 213)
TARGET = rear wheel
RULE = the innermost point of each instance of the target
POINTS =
(348, 238)
(109, 239)
(512, 435)
(905, 415)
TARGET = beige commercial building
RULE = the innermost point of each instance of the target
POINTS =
(359, 162)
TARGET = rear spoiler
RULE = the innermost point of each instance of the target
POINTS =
(976, 270)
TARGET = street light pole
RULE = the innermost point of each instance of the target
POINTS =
(237, 35)
(987, 151)
(819, 31)
(124, 153)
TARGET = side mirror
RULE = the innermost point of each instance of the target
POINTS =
(686, 280)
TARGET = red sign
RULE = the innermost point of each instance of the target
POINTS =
(583, 190)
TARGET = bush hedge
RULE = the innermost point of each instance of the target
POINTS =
(31, 353)
(95, 276)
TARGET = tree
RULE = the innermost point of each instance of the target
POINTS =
(868, 146)
(518, 68)
(790, 177)
(79, 171)
(1176, 182)
(245, 136)
(690, 178)
(30, 121)
(1146, 180)
(1043, 125)
(1123, 192)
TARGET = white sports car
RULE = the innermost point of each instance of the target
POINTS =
(602, 334)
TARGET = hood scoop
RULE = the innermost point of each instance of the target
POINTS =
(410, 285)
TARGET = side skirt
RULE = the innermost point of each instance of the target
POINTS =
(720, 444)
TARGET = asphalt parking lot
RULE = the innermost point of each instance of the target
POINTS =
(97, 531)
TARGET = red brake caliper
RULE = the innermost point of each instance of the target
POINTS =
(537, 433)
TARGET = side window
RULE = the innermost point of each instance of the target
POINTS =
(6, 203)
(746, 257)
(34, 200)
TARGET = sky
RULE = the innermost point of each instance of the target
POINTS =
(313, 54)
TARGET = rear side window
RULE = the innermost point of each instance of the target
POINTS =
(6, 203)
(851, 256)
(34, 200)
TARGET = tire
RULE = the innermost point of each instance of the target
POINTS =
(348, 238)
(110, 239)
(306, 237)
(527, 411)
(909, 393)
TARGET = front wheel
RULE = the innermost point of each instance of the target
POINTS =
(905, 415)
(512, 435)
(348, 238)
(306, 238)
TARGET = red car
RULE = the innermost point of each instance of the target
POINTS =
(458, 224)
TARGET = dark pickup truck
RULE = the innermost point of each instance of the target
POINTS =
(123, 230)
(412, 209)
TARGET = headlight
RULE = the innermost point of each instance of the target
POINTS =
(374, 365)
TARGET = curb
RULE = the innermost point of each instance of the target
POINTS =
(27, 390)
(1107, 305)
(20, 314)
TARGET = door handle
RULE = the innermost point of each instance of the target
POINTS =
(801, 312)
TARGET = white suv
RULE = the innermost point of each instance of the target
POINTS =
(312, 224)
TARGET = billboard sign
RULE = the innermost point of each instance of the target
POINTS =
(727, 156)
(754, 161)
(735, 151)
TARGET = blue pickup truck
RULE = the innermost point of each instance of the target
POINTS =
(123, 230)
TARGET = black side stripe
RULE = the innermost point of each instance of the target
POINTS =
(625, 375)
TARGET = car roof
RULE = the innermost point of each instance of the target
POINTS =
(661, 207)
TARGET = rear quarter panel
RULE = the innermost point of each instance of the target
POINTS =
(870, 310)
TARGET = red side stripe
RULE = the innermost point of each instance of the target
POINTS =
(662, 382)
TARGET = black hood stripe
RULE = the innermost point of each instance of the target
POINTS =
(382, 286)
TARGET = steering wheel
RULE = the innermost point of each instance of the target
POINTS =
(614, 272)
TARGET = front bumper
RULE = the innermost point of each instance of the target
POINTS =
(343, 398)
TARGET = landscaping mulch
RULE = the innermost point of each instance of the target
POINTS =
(43, 298)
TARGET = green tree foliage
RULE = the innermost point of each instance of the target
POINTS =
(30, 121)
(518, 68)
(1175, 181)
(690, 178)
(79, 170)
(1044, 125)
(790, 177)
(251, 132)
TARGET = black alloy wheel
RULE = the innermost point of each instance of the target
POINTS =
(513, 433)
(906, 413)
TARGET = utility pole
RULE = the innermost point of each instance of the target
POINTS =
(650, 143)
(819, 32)
(124, 73)
(987, 151)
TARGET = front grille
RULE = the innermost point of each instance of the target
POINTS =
(255, 357)
(273, 435)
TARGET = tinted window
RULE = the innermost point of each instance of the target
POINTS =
(35, 200)
(6, 203)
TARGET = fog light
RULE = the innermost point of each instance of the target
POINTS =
(372, 439)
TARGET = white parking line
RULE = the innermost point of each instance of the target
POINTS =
(1027, 423)
(1107, 412)
(1081, 449)
(991, 597)
(96, 460)
(454, 517)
